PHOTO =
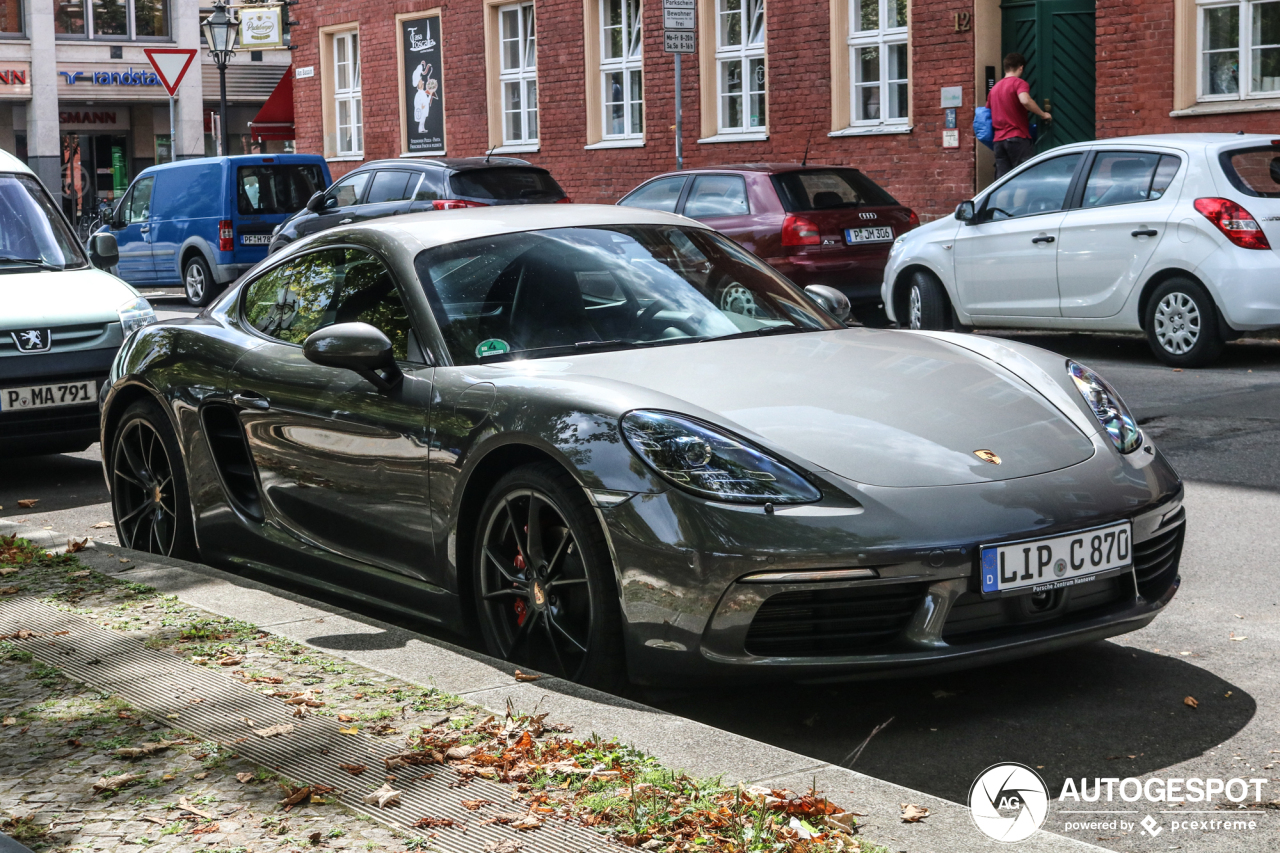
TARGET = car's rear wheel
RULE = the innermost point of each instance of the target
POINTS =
(927, 305)
(1182, 324)
(545, 592)
(149, 496)
(197, 281)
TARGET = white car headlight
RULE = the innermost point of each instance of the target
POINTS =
(1107, 406)
(135, 314)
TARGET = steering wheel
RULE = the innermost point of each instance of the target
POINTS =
(649, 313)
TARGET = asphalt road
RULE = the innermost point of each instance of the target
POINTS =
(1110, 709)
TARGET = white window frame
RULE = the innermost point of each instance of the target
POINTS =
(631, 61)
(524, 75)
(884, 38)
(1244, 52)
(350, 95)
(131, 31)
(744, 53)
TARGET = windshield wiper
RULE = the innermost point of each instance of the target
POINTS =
(34, 262)
(761, 333)
(581, 346)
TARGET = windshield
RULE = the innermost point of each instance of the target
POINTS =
(33, 232)
(276, 189)
(545, 293)
(823, 189)
(506, 183)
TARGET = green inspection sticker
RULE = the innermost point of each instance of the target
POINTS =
(493, 346)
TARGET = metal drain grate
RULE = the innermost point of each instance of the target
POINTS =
(161, 685)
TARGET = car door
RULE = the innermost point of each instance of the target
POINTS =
(1006, 256)
(340, 465)
(390, 193)
(720, 201)
(1106, 242)
(662, 194)
(340, 203)
(132, 229)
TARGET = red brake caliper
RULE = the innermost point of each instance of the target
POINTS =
(522, 609)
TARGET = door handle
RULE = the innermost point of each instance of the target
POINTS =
(145, 228)
(1043, 238)
(344, 221)
(250, 400)
(1145, 232)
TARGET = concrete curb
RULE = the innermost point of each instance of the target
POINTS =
(696, 748)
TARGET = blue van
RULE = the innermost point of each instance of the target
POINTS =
(202, 223)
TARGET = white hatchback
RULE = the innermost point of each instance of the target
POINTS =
(1171, 235)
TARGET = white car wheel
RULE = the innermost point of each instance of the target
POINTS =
(915, 307)
(1177, 323)
(1181, 322)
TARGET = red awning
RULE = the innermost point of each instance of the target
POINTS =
(275, 119)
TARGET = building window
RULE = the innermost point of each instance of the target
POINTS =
(346, 94)
(10, 18)
(109, 20)
(1239, 50)
(740, 68)
(878, 61)
(518, 74)
(621, 58)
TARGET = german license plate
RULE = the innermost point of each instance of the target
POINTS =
(255, 239)
(48, 396)
(1038, 565)
(868, 235)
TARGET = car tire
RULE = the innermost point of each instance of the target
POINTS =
(928, 308)
(150, 502)
(1182, 324)
(548, 602)
(197, 281)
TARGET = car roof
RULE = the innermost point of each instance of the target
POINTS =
(456, 164)
(248, 159)
(1208, 142)
(9, 163)
(767, 168)
(439, 227)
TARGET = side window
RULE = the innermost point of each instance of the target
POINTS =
(431, 187)
(1123, 177)
(717, 195)
(346, 192)
(139, 209)
(1040, 189)
(659, 195)
(325, 288)
(389, 186)
(1165, 173)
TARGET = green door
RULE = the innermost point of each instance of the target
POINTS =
(1057, 37)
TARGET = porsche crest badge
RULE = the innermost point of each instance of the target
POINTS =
(987, 456)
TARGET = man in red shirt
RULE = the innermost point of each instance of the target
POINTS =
(1010, 99)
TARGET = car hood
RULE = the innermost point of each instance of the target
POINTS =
(65, 298)
(880, 408)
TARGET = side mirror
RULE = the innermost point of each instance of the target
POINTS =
(315, 204)
(832, 301)
(358, 347)
(965, 211)
(104, 252)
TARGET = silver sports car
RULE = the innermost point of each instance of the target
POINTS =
(614, 444)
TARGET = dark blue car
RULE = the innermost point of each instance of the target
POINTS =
(201, 223)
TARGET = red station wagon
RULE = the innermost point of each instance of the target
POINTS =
(814, 224)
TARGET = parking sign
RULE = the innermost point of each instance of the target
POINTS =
(679, 14)
(678, 41)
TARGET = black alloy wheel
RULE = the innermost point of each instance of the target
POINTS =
(148, 485)
(544, 585)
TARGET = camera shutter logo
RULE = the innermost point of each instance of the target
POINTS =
(33, 340)
(1009, 802)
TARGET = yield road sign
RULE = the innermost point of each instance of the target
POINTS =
(170, 63)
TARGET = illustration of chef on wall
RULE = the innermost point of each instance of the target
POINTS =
(424, 96)
(427, 86)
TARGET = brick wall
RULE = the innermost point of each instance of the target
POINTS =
(914, 167)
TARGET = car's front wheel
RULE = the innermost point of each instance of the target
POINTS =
(1182, 324)
(149, 496)
(544, 582)
(197, 281)
(927, 305)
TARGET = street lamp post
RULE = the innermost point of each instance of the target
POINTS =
(220, 33)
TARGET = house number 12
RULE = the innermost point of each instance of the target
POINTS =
(963, 21)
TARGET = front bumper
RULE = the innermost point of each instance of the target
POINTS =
(692, 617)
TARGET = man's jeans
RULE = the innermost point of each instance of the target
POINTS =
(1012, 153)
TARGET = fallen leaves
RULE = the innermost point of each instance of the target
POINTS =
(5, 572)
(293, 796)
(28, 503)
(9, 721)
(353, 730)
(274, 731)
(526, 676)
(1236, 639)
(526, 823)
(10, 590)
(101, 525)
(231, 660)
(244, 778)
(1191, 702)
(76, 546)
(83, 574)
(187, 806)
(912, 813)
(116, 783)
(383, 797)
(432, 823)
(354, 769)
(146, 749)
(476, 805)
(509, 845)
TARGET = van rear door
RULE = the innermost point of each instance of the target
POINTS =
(265, 191)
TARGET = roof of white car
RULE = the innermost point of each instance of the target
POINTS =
(9, 163)
(437, 228)
(1207, 141)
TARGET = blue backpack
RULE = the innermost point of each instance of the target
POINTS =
(982, 128)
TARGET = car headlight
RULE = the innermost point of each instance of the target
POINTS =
(135, 314)
(1107, 406)
(711, 464)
